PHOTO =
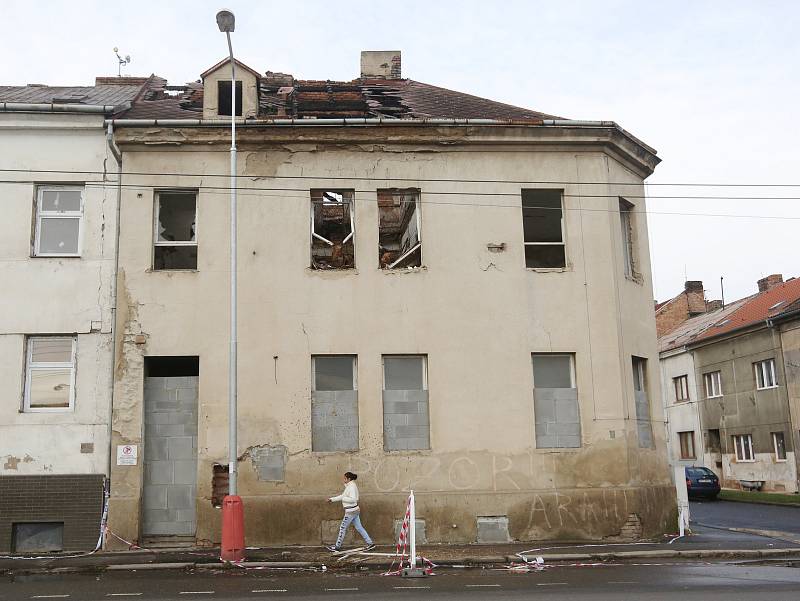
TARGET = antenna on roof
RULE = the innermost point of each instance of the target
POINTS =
(722, 291)
(122, 61)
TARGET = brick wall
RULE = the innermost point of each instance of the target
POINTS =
(76, 500)
(672, 315)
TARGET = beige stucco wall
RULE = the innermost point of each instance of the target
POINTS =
(211, 91)
(790, 345)
(683, 416)
(478, 315)
(55, 295)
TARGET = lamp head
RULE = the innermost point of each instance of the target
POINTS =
(226, 21)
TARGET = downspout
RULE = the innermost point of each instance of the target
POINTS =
(112, 146)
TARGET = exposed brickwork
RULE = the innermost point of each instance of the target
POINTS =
(688, 304)
(76, 500)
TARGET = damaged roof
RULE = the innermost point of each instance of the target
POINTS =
(283, 96)
(107, 91)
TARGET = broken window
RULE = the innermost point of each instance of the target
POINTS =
(642, 401)
(543, 228)
(743, 444)
(50, 374)
(406, 421)
(220, 484)
(332, 229)
(686, 440)
(779, 444)
(224, 98)
(59, 211)
(713, 441)
(175, 245)
(626, 223)
(399, 232)
(334, 403)
(555, 402)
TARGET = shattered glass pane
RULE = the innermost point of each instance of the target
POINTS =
(61, 200)
(552, 371)
(59, 236)
(398, 228)
(403, 373)
(51, 350)
(176, 217)
(333, 239)
(542, 215)
(333, 373)
(50, 387)
(545, 256)
(175, 257)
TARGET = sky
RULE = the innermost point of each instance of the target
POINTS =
(713, 86)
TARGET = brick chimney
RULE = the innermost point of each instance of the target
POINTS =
(380, 64)
(695, 297)
(769, 282)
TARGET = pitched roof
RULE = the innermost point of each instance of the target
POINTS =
(97, 95)
(225, 61)
(757, 308)
(694, 327)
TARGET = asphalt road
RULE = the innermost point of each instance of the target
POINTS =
(728, 514)
(678, 581)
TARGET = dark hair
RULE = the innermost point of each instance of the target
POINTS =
(351, 476)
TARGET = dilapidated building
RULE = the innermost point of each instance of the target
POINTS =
(57, 262)
(436, 291)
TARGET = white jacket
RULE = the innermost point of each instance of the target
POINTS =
(349, 497)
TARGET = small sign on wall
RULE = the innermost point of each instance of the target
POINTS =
(127, 454)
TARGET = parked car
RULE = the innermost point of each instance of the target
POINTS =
(702, 482)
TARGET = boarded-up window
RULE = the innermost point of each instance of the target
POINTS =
(406, 421)
(59, 212)
(332, 229)
(642, 400)
(334, 403)
(543, 228)
(50, 374)
(175, 245)
(628, 238)
(555, 399)
(399, 229)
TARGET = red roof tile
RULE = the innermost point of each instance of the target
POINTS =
(759, 308)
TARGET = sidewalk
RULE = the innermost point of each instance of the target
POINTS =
(706, 543)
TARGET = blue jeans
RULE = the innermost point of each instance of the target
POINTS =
(355, 519)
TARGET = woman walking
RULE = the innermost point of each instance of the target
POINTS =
(352, 511)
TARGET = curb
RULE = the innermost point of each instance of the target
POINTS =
(754, 502)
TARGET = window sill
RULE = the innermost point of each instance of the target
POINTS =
(545, 450)
(343, 270)
(326, 453)
(548, 269)
(716, 396)
(404, 270)
(151, 270)
(745, 461)
(636, 278)
(780, 461)
(55, 256)
(768, 387)
(408, 451)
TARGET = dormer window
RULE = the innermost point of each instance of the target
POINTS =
(224, 98)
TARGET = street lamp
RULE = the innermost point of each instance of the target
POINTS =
(232, 547)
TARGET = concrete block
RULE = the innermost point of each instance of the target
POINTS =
(187, 394)
(565, 394)
(150, 516)
(155, 497)
(559, 429)
(346, 438)
(420, 396)
(393, 396)
(185, 515)
(323, 396)
(169, 430)
(395, 419)
(418, 444)
(422, 407)
(493, 529)
(341, 420)
(155, 449)
(419, 526)
(544, 440)
(544, 394)
(322, 438)
(269, 463)
(189, 429)
(567, 411)
(411, 431)
(569, 442)
(180, 497)
(544, 410)
(185, 472)
(271, 474)
(158, 472)
(400, 407)
(418, 419)
(154, 383)
(181, 447)
(156, 417)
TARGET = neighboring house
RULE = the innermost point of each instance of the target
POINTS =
(737, 419)
(689, 303)
(57, 239)
(426, 298)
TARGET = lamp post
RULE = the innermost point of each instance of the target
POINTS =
(232, 548)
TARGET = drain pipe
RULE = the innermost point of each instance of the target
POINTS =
(112, 146)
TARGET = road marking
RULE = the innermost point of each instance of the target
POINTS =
(341, 589)
(123, 594)
(481, 585)
(410, 587)
(269, 590)
(550, 583)
(622, 582)
(49, 596)
(196, 593)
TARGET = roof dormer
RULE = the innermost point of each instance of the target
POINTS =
(217, 91)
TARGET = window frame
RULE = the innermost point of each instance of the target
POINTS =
(708, 377)
(563, 242)
(691, 451)
(39, 214)
(50, 365)
(350, 194)
(681, 383)
(417, 218)
(774, 435)
(239, 86)
(626, 209)
(405, 356)
(172, 243)
(570, 357)
(761, 373)
(354, 359)
(748, 438)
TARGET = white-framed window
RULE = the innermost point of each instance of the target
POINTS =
(686, 440)
(399, 228)
(765, 374)
(743, 445)
(59, 217)
(681, 384)
(779, 444)
(334, 372)
(175, 230)
(713, 384)
(543, 229)
(50, 374)
(628, 237)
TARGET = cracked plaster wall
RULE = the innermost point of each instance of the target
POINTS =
(55, 295)
(478, 328)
